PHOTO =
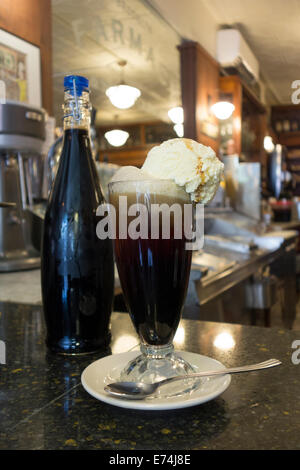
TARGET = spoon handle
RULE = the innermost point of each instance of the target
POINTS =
(232, 370)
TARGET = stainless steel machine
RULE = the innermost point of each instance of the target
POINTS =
(22, 134)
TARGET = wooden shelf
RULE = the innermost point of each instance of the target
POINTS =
(135, 152)
(132, 156)
(289, 139)
(288, 134)
(247, 109)
(290, 113)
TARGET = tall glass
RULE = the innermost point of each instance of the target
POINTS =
(154, 266)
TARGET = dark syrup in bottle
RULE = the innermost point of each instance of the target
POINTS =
(77, 266)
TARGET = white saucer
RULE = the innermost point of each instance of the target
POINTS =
(106, 370)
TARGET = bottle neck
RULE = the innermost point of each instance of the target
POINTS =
(77, 111)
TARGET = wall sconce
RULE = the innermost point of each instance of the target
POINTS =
(223, 109)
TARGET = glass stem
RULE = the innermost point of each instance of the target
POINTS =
(157, 352)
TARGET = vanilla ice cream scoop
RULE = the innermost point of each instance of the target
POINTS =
(130, 173)
(189, 163)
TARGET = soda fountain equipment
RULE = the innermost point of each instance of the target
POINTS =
(22, 133)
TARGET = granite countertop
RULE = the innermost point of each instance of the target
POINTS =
(24, 287)
(44, 406)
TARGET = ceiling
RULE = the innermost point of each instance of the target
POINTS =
(91, 37)
(270, 27)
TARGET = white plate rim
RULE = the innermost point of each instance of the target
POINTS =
(159, 404)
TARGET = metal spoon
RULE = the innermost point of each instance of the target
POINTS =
(140, 390)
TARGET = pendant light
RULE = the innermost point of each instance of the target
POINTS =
(123, 96)
(177, 117)
(116, 137)
(178, 128)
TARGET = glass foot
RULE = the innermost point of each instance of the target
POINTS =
(159, 363)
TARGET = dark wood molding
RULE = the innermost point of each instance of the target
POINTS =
(188, 63)
(199, 82)
(193, 44)
(286, 107)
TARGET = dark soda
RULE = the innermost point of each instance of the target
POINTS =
(154, 275)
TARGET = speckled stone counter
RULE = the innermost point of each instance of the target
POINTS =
(44, 406)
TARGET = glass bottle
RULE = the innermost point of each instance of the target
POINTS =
(77, 267)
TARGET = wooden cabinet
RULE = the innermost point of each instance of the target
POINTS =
(247, 126)
(286, 123)
(142, 137)
(202, 85)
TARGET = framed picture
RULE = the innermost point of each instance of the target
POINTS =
(20, 70)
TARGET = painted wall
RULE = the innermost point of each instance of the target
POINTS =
(31, 20)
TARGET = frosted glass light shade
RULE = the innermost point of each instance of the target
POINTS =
(178, 128)
(223, 109)
(116, 137)
(176, 115)
(268, 144)
(123, 96)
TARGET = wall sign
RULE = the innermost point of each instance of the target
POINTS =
(20, 70)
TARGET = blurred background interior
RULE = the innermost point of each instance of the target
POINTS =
(222, 72)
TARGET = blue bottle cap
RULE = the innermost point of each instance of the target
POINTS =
(81, 84)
